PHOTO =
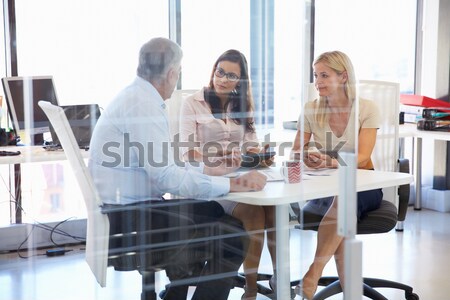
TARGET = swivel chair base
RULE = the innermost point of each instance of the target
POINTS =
(332, 287)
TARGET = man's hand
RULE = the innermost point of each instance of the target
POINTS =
(249, 182)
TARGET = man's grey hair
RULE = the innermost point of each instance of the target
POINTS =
(156, 57)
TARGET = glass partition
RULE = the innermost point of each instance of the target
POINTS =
(311, 168)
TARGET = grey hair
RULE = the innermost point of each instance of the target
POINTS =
(156, 57)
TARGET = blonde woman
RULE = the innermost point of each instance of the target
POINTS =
(328, 122)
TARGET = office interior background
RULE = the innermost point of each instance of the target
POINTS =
(91, 48)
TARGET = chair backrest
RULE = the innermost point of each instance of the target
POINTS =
(386, 152)
(97, 236)
(173, 109)
(387, 97)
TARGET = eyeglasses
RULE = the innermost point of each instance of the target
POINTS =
(219, 72)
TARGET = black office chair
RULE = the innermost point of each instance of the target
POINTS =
(157, 249)
(114, 242)
(385, 158)
(381, 220)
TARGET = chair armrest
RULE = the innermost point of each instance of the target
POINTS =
(403, 191)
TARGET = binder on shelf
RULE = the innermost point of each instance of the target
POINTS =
(424, 101)
(411, 113)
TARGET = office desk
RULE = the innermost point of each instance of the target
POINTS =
(410, 130)
(281, 195)
(29, 154)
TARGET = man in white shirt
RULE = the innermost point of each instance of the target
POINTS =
(132, 164)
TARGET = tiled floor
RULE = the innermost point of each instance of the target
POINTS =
(418, 257)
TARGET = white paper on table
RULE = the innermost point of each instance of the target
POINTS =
(272, 174)
(319, 172)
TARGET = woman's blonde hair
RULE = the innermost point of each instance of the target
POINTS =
(340, 63)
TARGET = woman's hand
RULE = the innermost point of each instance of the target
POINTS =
(266, 162)
(269, 160)
(317, 160)
(224, 165)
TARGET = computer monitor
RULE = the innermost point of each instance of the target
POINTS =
(22, 96)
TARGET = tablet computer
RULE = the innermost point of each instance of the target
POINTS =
(252, 160)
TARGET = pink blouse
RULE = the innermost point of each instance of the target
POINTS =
(198, 124)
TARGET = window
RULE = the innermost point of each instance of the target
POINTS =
(209, 28)
(378, 36)
(90, 49)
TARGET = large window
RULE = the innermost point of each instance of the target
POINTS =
(209, 28)
(91, 49)
(272, 31)
(379, 36)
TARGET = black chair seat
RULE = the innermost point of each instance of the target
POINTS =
(380, 220)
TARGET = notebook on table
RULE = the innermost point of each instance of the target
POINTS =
(82, 119)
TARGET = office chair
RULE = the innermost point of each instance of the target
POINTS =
(173, 108)
(393, 209)
(108, 242)
(385, 158)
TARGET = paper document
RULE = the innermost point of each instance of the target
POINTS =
(319, 172)
(272, 174)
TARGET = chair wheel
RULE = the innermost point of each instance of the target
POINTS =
(412, 296)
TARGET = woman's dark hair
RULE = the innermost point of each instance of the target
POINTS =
(240, 100)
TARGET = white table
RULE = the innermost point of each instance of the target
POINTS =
(406, 130)
(281, 195)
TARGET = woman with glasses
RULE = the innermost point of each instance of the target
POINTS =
(219, 119)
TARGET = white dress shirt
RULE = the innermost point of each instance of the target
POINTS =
(131, 157)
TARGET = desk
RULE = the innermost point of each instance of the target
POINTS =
(410, 130)
(29, 154)
(281, 195)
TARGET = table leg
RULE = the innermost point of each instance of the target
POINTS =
(283, 252)
(418, 172)
(18, 194)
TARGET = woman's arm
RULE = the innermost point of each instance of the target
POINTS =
(193, 155)
(296, 148)
(366, 142)
(311, 157)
